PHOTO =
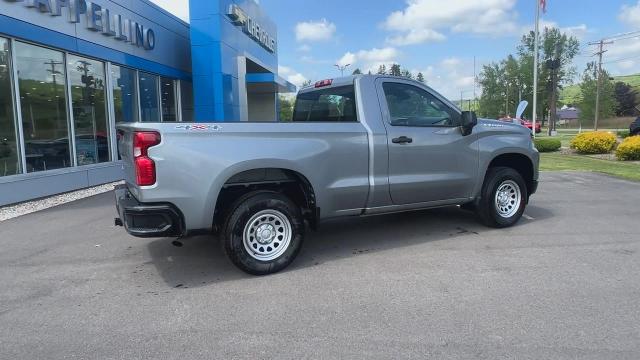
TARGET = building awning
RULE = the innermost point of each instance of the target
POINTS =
(268, 83)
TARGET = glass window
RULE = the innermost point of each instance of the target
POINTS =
(87, 80)
(168, 96)
(41, 82)
(149, 104)
(329, 105)
(186, 95)
(9, 158)
(125, 97)
(411, 106)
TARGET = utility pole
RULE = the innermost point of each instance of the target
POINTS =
(599, 53)
(342, 68)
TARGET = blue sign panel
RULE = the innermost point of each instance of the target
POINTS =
(225, 35)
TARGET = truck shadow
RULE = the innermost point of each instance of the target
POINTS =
(200, 261)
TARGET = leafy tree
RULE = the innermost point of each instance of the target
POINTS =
(382, 70)
(285, 106)
(395, 70)
(420, 77)
(357, 71)
(306, 83)
(554, 44)
(626, 99)
(589, 87)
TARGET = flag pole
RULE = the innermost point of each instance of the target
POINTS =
(535, 68)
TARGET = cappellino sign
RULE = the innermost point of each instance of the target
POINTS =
(97, 18)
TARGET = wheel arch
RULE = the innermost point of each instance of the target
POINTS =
(284, 180)
(517, 161)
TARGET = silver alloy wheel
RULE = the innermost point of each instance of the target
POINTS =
(267, 235)
(508, 199)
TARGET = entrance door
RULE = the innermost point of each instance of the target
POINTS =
(429, 158)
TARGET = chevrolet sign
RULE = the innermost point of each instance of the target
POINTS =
(252, 28)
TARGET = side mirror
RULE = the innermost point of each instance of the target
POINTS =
(469, 121)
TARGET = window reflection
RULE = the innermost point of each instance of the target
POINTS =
(168, 95)
(9, 159)
(41, 82)
(125, 97)
(89, 110)
(149, 104)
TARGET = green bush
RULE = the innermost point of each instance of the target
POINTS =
(629, 150)
(623, 134)
(595, 142)
(547, 144)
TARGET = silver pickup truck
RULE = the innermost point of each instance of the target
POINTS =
(357, 146)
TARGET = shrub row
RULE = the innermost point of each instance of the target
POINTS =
(596, 142)
(547, 144)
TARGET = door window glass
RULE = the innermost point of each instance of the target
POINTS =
(412, 106)
(329, 105)
(41, 83)
(125, 96)
(186, 95)
(87, 80)
(168, 95)
(9, 158)
(149, 101)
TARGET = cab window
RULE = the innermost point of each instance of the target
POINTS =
(412, 106)
(328, 105)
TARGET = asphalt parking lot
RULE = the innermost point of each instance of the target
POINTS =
(564, 283)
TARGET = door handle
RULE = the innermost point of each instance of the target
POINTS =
(402, 140)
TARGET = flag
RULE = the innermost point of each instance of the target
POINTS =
(543, 6)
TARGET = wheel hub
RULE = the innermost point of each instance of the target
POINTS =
(508, 199)
(267, 235)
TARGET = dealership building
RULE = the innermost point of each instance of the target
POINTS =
(70, 70)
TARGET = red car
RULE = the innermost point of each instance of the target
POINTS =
(528, 124)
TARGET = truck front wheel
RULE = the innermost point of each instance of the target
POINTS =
(503, 198)
(263, 233)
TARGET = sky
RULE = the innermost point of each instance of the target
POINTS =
(435, 37)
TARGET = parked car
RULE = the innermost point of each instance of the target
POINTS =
(357, 146)
(526, 123)
(634, 128)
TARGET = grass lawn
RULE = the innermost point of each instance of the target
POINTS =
(559, 162)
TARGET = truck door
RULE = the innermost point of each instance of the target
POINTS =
(429, 158)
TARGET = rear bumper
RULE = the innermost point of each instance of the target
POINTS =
(147, 220)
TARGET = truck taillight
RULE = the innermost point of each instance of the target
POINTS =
(145, 166)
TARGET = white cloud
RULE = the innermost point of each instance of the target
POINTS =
(451, 76)
(416, 36)
(370, 60)
(304, 48)
(321, 30)
(424, 20)
(291, 75)
(578, 31)
(178, 8)
(630, 15)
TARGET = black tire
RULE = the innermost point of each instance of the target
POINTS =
(242, 212)
(487, 209)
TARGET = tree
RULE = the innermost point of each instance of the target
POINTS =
(406, 73)
(285, 107)
(420, 77)
(382, 70)
(395, 70)
(306, 83)
(554, 45)
(357, 71)
(625, 98)
(607, 96)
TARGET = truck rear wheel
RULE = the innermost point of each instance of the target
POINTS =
(263, 233)
(503, 198)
